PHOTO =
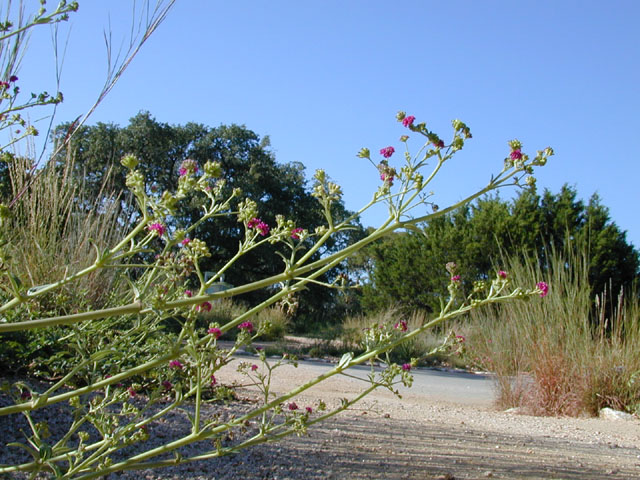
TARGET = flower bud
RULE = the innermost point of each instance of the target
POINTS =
(400, 116)
(364, 153)
(213, 169)
(130, 161)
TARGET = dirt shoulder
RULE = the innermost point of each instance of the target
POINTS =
(422, 437)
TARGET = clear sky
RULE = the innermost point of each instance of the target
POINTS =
(323, 79)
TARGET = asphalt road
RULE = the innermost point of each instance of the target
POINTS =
(443, 385)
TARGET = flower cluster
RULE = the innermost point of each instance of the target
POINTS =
(259, 225)
(204, 307)
(408, 120)
(387, 173)
(215, 331)
(401, 325)
(543, 287)
(12, 79)
(157, 228)
(175, 364)
(386, 152)
(188, 167)
(246, 326)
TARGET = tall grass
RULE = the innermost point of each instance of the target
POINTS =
(561, 355)
(55, 231)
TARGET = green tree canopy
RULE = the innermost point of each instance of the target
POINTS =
(409, 268)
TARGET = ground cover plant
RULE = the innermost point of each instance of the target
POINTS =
(139, 350)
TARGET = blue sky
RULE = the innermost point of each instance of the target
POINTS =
(323, 79)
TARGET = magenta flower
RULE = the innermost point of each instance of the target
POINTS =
(406, 367)
(408, 121)
(264, 228)
(543, 287)
(216, 332)
(13, 78)
(292, 406)
(254, 367)
(25, 395)
(185, 241)
(213, 381)
(385, 177)
(167, 385)
(456, 279)
(502, 274)
(460, 338)
(248, 326)
(188, 293)
(309, 410)
(187, 167)
(401, 325)
(258, 225)
(158, 228)
(175, 364)
(516, 154)
(204, 307)
(386, 152)
(295, 233)
(132, 392)
(438, 143)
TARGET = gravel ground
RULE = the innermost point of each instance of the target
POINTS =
(414, 438)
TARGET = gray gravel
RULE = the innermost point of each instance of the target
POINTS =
(420, 437)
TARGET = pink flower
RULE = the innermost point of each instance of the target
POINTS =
(406, 367)
(309, 410)
(25, 395)
(258, 225)
(216, 332)
(248, 326)
(438, 143)
(158, 228)
(187, 167)
(204, 307)
(213, 380)
(460, 338)
(167, 385)
(502, 274)
(185, 241)
(188, 293)
(385, 177)
(401, 325)
(292, 406)
(295, 233)
(132, 392)
(254, 367)
(13, 78)
(386, 152)
(408, 121)
(175, 364)
(456, 279)
(516, 154)
(543, 287)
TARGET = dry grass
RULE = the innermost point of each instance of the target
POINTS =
(554, 356)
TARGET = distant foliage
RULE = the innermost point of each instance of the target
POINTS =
(407, 268)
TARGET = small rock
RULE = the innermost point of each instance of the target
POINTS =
(514, 410)
(611, 414)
